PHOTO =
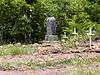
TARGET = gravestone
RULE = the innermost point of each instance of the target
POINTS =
(51, 26)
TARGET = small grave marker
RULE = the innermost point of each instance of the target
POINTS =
(75, 32)
(75, 35)
(90, 36)
(64, 36)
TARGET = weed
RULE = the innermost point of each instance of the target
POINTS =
(74, 41)
(15, 50)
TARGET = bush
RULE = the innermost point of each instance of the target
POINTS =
(21, 22)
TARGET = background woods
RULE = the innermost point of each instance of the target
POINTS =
(23, 20)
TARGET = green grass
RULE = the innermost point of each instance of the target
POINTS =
(14, 49)
(74, 41)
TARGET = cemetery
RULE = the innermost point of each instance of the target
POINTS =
(49, 37)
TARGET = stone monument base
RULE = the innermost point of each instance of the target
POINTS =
(51, 37)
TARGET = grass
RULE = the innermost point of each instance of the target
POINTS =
(81, 71)
(49, 64)
(15, 49)
(76, 68)
(75, 65)
(76, 62)
(74, 41)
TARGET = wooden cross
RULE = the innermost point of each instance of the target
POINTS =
(90, 36)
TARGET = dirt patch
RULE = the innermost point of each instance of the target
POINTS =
(51, 57)
(17, 73)
(53, 52)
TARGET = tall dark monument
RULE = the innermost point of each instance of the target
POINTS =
(51, 29)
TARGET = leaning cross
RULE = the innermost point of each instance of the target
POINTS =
(90, 36)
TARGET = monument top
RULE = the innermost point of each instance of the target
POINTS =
(51, 19)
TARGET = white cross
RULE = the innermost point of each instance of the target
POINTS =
(90, 36)
(75, 35)
(64, 37)
(75, 32)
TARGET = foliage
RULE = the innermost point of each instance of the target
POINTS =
(20, 21)
(24, 22)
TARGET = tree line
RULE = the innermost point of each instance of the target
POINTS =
(23, 21)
